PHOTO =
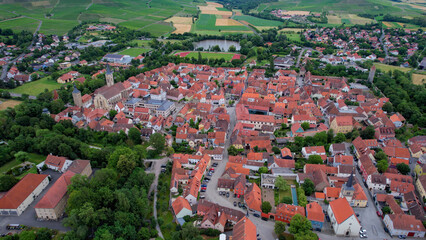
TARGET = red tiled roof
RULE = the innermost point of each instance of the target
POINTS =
(56, 192)
(314, 212)
(341, 209)
(244, 230)
(55, 161)
(179, 204)
(15, 196)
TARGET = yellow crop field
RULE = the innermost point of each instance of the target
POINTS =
(182, 24)
(227, 22)
(333, 19)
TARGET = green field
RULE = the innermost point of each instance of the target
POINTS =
(222, 9)
(36, 87)
(343, 6)
(34, 158)
(387, 68)
(64, 15)
(134, 52)
(20, 24)
(6, 15)
(293, 36)
(211, 55)
(207, 22)
(258, 22)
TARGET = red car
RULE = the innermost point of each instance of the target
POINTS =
(419, 162)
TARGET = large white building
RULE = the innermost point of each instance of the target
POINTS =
(343, 218)
(405, 225)
(17, 199)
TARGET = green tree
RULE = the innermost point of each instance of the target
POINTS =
(368, 133)
(158, 141)
(382, 166)
(287, 200)
(27, 235)
(21, 156)
(403, 168)
(263, 170)
(232, 48)
(308, 186)
(126, 164)
(388, 107)
(301, 197)
(339, 138)
(233, 151)
(7, 182)
(266, 207)
(386, 210)
(281, 184)
(112, 114)
(279, 227)
(135, 135)
(315, 159)
(381, 156)
(305, 126)
(299, 224)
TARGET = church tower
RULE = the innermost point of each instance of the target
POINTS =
(76, 96)
(348, 188)
(109, 76)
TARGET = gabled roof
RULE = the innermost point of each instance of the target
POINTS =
(56, 192)
(341, 209)
(179, 204)
(314, 212)
(253, 197)
(244, 230)
(15, 196)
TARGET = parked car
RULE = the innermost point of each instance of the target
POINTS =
(362, 231)
(235, 204)
(239, 204)
(264, 219)
(418, 162)
(402, 237)
(203, 190)
(207, 179)
(203, 185)
(256, 215)
(363, 235)
(227, 194)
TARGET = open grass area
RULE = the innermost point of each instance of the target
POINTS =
(20, 24)
(134, 52)
(141, 43)
(387, 68)
(293, 36)
(5, 103)
(211, 55)
(36, 87)
(33, 157)
(258, 22)
(418, 79)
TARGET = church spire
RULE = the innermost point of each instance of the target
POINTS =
(349, 184)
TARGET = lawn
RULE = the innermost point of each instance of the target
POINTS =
(211, 55)
(157, 29)
(258, 22)
(418, 79)
(142, 43)
(36, 87)
(134, 52)
(387, 68)
(279, 194)
(33, 157)
(293, 36)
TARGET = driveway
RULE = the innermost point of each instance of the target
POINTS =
(28, 217)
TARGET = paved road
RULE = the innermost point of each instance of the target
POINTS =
(28, 217)
(385, 48)
(156, 169)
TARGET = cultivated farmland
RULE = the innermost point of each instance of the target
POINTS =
(418, 79)
(182, 24)
(258, 22)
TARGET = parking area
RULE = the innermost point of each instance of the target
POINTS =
(28, 217)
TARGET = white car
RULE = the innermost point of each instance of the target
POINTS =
(362, 231)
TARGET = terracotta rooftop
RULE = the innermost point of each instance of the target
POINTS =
(56, 192)
(341, 209)
(15, 196)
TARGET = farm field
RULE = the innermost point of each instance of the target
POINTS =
(401, 25)
(343, 6)
(258, 22)
(347, 19)
(5, 103)
(134, 52)
(20, 24)
(182, 24)
(207, 22)
(209, 55)
(295, 30)
(386, 68)
(418, 79)
(64, 15)
(36, 87)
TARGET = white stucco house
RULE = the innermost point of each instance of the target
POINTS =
(343, 218)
